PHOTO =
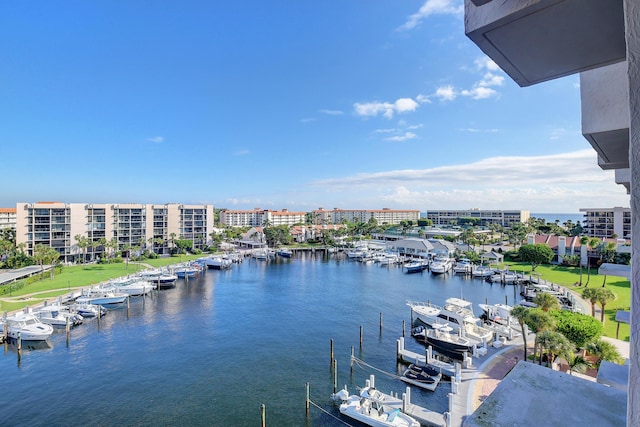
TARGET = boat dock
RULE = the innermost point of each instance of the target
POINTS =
(424, 416)
(447, 369)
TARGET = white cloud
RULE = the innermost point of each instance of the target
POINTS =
(446, 93)
(432, 7)
(332, 112)
(479, 92)
(554, 183)
(490, 79)
(156, 139)
(386, 109)
(307, 120)
(243, 152)
(486, 63)
(400, 138)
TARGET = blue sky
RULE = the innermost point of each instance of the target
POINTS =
(280, 104)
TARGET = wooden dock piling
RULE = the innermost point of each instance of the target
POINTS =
(331, 352)
(360, 336)
(306, 401)
(263, 415)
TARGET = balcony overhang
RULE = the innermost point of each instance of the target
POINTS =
(604, 97)
(538, 40)
(623, 177)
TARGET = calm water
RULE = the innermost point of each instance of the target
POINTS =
(212, 350)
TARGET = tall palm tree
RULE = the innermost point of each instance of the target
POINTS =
(540, 321)
(577, 362)
(521, 313)
(591, 294)
(554, 342)
(604, 350)
(83, 244)
(604, 295)
(546, 301)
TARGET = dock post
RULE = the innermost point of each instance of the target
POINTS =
(406, 399)
(67, 328)
(380, 323)
(506, 300)
(399, 349)
(447, 419)
(263, 415)
(450, 396)
(99, 314)
(335, 376)
(454, 386)
(360, 336)
(306, 400)
(403, 328)
(331, 351)
(429, 353)
(486, 301)
(128, 306)
(351, 362)
(19, 346)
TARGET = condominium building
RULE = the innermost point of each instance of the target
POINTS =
(505, 218)
(147, 226)
(605, 222)
(259, 217)
(382, 216)
(7, 218)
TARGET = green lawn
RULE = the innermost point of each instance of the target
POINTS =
(570, 276)
(79, 276)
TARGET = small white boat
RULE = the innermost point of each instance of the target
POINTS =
(134, 288)
(424, 377)
(102, 296)
(415, 266)
(186, 271)
(284, 252)
(463, 266)
(482, 271)
(440, 265)
(88, 310)
(218, 262)
(28, 326)
(57, 315)
(371, 408)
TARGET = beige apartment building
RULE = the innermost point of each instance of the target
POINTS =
(259, 217)
(382, 216)
(505, 218)
(605, 222)
(147, 226)
(7, 218)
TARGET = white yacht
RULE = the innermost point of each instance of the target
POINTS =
(28, 326)
(440, 265)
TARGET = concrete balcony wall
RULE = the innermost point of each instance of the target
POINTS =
(539, 40)
(604, 94)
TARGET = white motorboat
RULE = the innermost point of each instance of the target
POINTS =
(440, 265)
(159, 277)
(28, 326)
(498, 313)
(57, 315)
(134, 288)
(456, 313)
(186, 271)
(374, 408)
(102, 296)
(416, 266)
(218, 262)
(482, 271)
(284, 252)
(463, 266)
(88, 310)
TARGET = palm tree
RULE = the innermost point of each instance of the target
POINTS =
(577, 363)
(521, 313)
(172, 239)
(591, 243)
(604, 295)
(546, 301)
(604, 350)
(591, 294)
(554, 342)
(83, 244)
(540, 321)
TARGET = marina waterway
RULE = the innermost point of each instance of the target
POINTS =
(211, 350)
